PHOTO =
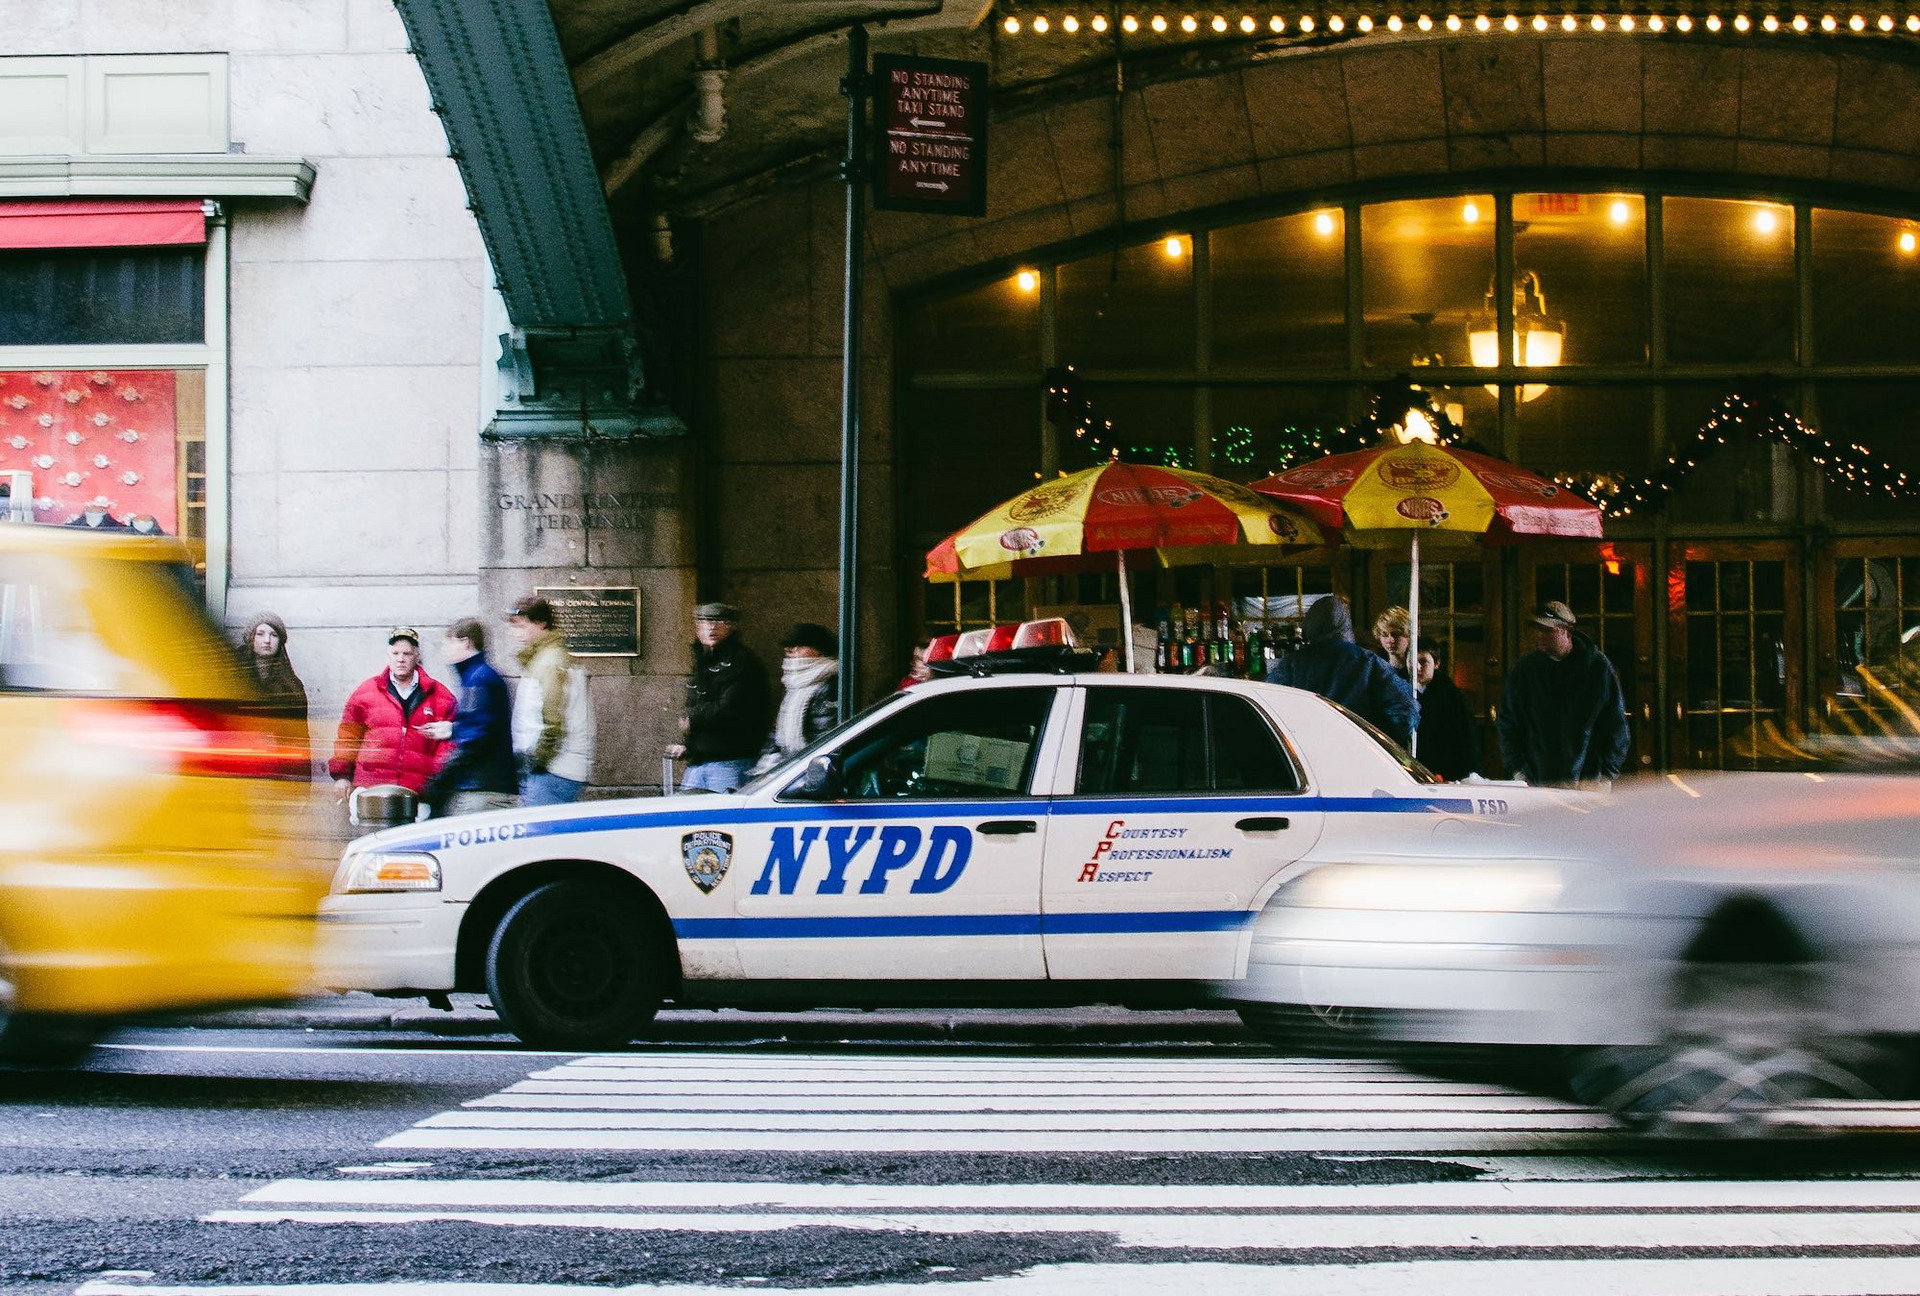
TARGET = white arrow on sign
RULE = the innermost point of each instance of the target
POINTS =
(922, 121)
(941, 185)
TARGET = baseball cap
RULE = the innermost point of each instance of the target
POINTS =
(404, 632)
(1554, 614)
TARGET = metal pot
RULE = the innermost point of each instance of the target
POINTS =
(385, 805)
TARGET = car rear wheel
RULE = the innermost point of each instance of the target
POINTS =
(1310, 1028)
(569, 967)
(1743, 1044)
(27, 1039)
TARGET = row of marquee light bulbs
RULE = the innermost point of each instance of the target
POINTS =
(1306, 24)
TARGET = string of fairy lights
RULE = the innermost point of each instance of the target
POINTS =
(1740, 420)
(1067, 23)
(1736, 420)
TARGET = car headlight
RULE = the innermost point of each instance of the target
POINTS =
(366, 871)
(1471, 888)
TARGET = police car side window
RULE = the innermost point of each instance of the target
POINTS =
(1139, 741)
(975, 744)
(1246, 754)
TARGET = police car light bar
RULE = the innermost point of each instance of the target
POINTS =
(1030, 645)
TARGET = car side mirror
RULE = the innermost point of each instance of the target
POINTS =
(822, 781)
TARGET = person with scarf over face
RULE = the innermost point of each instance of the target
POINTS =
(809, 678)
(263, 650)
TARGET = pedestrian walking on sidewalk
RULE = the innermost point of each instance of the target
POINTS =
(726, 724)
(809, 678)
(553, 726)
(480, 773)
(1563, 716)
(263, 650)
(1449, 738)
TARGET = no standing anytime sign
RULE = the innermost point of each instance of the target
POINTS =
(933, 135)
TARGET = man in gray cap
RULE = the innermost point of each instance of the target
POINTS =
(1563, 717)
(728, 704)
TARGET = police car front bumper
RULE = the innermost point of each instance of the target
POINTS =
(387, 942)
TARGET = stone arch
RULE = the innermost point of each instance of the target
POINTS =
(1317, 121)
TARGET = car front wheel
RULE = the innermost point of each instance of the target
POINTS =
(569, 967)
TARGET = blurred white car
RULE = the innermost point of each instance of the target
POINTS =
(1714, 953)
(1032, 837)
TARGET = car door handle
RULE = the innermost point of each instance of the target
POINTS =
(1261, 825)
(1007, 827)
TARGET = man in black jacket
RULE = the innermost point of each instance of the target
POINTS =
(728, 704)
(1563, 718)
(1449, 740)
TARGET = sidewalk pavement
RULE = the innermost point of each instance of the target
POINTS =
(473, 1016)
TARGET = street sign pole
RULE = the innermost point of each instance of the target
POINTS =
(853, 171)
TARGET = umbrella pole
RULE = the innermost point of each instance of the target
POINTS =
(1126, 610)
(1413, 638)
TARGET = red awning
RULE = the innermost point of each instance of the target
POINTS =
(101, 224)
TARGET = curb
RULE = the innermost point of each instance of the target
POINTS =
(1103, 1025)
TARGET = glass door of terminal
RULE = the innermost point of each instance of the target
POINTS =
(1734, 647)
(1869, 664)
(1610, 588)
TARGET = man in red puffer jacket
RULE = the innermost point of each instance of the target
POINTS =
(393, 730)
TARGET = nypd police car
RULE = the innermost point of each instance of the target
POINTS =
(1050, 835)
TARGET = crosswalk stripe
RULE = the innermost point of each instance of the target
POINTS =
(1808, 1195)
(1468, 1141)
(734, 1101)
(1019, 1122)
(936, 1088)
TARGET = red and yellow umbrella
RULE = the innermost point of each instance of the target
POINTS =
(1374, 494)
(1072, 524)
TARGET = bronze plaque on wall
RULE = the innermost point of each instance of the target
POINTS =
(598, 621)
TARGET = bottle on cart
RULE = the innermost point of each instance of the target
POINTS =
(1222, 625)
(1253, 653)
(1189, 650)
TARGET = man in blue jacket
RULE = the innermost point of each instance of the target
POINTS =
(1331, 664)
(480, 774)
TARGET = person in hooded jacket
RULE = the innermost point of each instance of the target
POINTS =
(1331, 664)
(725, 727)
(1563, 715)
(553, 724)
(810, 680)
(263, 650)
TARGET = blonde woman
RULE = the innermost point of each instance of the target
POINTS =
(1394, 633)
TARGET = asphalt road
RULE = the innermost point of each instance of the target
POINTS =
(239, 1161)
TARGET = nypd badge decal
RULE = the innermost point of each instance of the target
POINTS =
(706, 855)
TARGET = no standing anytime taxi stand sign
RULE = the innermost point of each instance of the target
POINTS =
(932, 141)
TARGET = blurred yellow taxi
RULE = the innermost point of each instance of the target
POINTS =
(151, 812)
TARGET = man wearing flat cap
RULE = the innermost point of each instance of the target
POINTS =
(1563, 717)
(728, 704)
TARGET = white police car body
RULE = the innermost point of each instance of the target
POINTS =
(1011, 839)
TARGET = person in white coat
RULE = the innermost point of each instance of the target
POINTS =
(553, 729)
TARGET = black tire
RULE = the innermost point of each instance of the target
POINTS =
(1311, 1029)
(569, 967)
(1740, 1041)
(28, 1039)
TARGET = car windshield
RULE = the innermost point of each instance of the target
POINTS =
(1415, 770)
(796, 762)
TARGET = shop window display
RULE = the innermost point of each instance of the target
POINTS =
(109, 450)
